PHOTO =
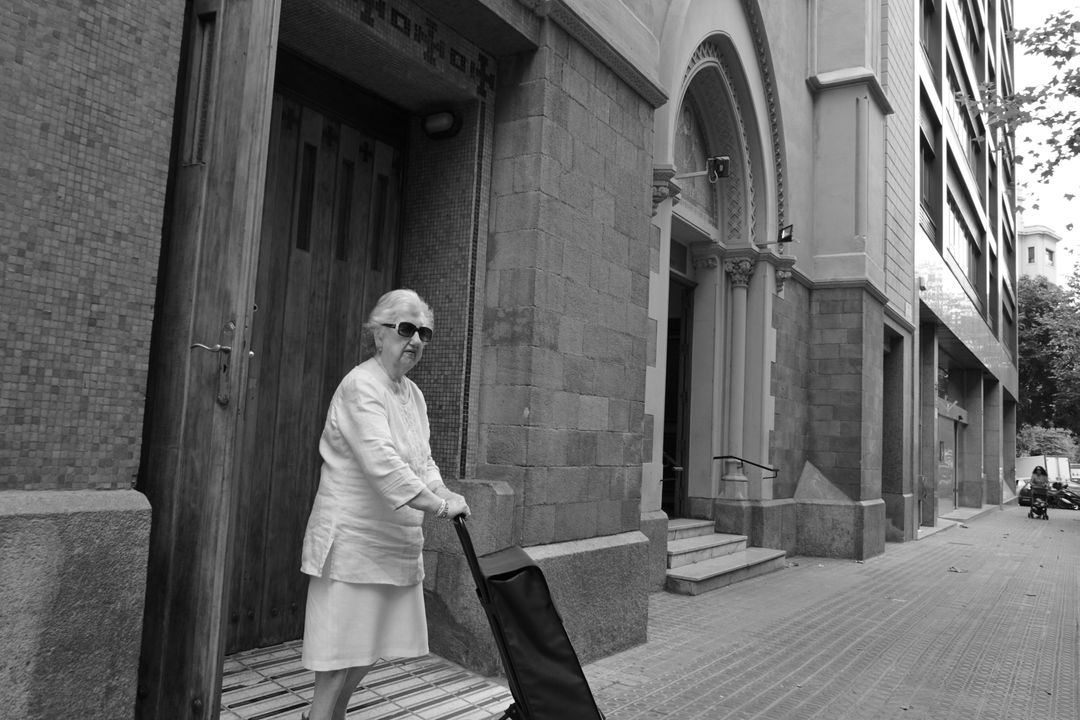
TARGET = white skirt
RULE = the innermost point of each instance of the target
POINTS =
(354, 624)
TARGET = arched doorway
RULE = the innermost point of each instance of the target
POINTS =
(713, 224)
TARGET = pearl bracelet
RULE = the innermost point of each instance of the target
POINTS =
(443, 508)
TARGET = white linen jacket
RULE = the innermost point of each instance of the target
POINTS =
(376, 458)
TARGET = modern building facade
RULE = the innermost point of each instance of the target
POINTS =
(740, 260)
(965, 260)
(1038, 252)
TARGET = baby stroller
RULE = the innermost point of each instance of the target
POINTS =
(1040, 498)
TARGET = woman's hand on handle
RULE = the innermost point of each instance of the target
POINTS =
(456, 505)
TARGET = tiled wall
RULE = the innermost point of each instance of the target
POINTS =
(565, 313)
(444, 249)
(85, 127)
(901, 152)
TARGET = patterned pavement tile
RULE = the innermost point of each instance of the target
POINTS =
(981, 622)
(270, 684)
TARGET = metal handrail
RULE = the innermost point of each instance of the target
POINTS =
(775, 470)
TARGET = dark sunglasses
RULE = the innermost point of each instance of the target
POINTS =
(406, 329)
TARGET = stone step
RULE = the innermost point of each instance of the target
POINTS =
(702, 547)
(707, 575)
(680, 528)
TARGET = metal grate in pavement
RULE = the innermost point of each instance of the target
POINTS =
(270, 684)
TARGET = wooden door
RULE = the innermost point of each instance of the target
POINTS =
(329, 250)
(198, 351)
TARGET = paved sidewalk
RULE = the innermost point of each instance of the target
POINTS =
(979, 622)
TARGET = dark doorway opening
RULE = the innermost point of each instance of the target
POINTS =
(677, 398)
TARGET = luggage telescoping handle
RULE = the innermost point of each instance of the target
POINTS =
(470, 556)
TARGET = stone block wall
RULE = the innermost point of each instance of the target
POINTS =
(85, 128)
(853, 530)
(72, 580)
(790, 386)
(993, 447)
(971, 450)
(565, 322)
(845, 389)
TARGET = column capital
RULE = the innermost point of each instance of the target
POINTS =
(740, 270)
(664, 186)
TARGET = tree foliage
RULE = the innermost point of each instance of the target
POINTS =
(1048, 332)
(1038, 440)
(1053, 106)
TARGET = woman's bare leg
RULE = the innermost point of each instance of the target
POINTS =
(328, 686)
(352, 679)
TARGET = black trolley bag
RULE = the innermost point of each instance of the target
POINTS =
(542, 669)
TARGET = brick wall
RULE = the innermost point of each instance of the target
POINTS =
(85, 127)
(565, 321)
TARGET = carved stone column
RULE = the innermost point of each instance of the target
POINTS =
(734, 483)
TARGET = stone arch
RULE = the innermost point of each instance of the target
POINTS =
(714, 87)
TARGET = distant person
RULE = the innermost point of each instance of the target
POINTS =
(1039, 478)
(364, 541)
(1040, 489)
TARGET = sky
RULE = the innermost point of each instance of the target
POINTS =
(1054, 210)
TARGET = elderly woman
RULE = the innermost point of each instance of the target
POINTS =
(363, 543)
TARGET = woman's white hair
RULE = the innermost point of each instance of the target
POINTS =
(390, 304)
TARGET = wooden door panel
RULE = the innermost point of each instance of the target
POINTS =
(382, 244)
(296, 467)
(281, 439)
(346, 311)
(258, 440)
(206, 285)
(317, 278)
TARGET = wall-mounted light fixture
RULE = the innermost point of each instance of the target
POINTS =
(441, 125)
(715, 168)
(785, 236)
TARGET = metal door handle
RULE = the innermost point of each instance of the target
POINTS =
(217, 348)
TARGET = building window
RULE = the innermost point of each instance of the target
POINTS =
(966, 251)
(960, 117)
(993, 307)
(926, 192)
(927, 34)
(1008, 328)
(1031, 255)
(969, 32)
(1049, 256)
